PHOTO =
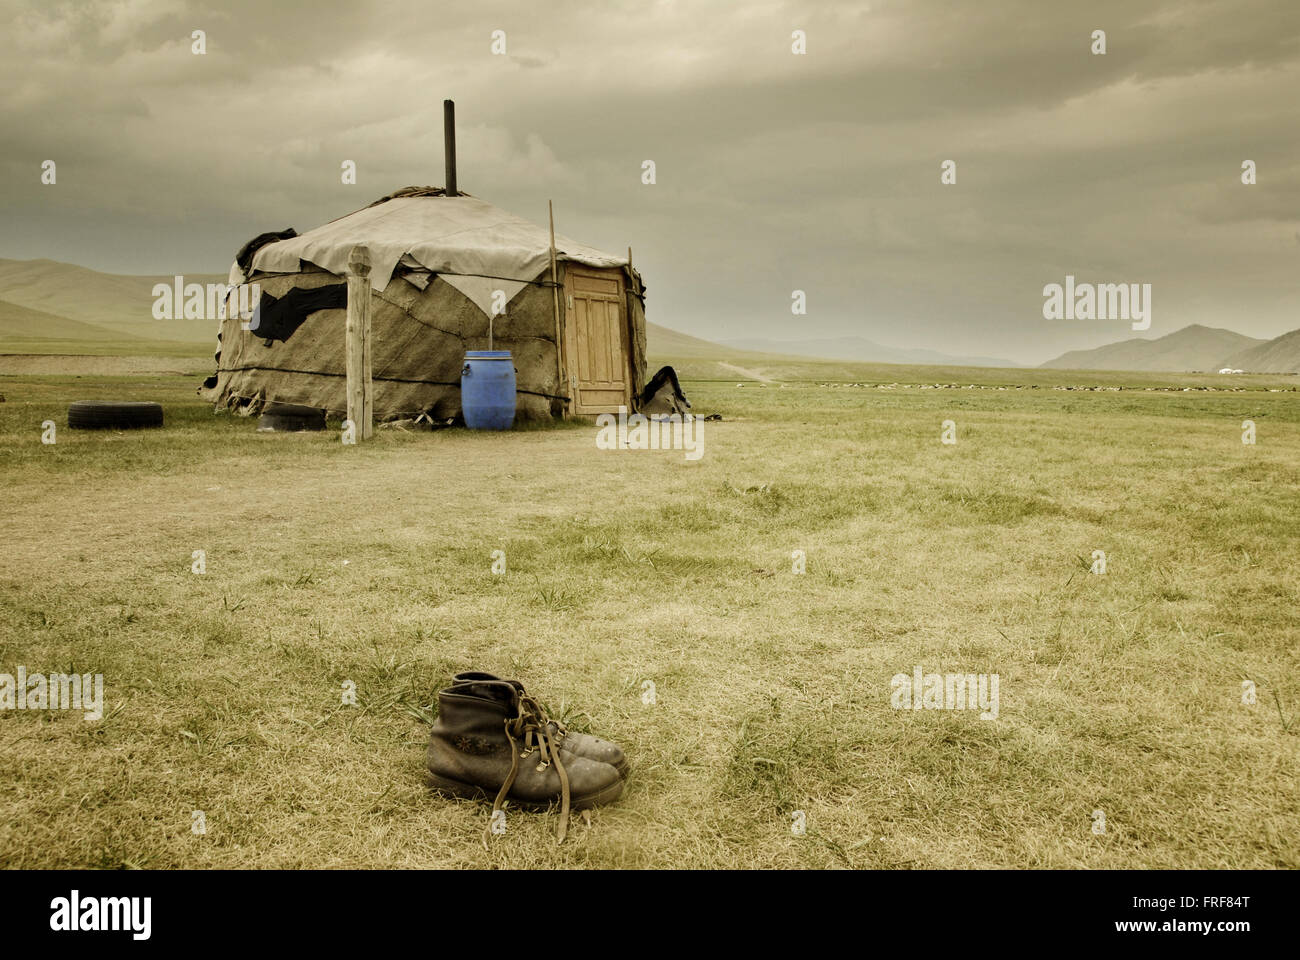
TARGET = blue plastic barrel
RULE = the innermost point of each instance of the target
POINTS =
(487, 390)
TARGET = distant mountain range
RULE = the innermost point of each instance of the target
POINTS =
(1193, 348)
(66, 305)
(859, 349)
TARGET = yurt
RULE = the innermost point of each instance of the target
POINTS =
(449, 273)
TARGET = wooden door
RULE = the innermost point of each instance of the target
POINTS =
(596, 335)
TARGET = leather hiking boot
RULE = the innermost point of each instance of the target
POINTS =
(583, 744)
(504, 744)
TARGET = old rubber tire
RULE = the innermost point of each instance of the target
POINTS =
(291, 418)
(114, 415)
(276, 409)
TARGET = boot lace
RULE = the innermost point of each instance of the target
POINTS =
(539, 734)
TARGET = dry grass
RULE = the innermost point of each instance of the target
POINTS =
(1119, 692)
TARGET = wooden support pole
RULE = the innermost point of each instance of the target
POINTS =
(561, 384)
(361, 405)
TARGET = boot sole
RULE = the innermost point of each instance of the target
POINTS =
(469, 791)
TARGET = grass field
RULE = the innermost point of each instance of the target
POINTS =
(1120, 692)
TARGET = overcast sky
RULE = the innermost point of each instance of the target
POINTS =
(775, 171)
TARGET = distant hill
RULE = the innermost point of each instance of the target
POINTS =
(860, 349)
(1189, 349)
(26, 323)
(106, 301)
(663, 342)
(1280, 355)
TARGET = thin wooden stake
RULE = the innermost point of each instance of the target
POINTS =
(361, 406)
(632, 385)
(561, 386)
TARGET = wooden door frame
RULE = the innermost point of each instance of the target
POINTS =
(571, 270)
